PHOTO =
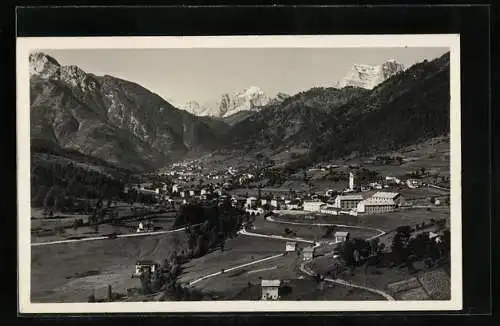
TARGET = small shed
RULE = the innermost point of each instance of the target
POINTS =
(308, 253)
(341, 236)
(142, 266)
(270, 289)
(290, 246)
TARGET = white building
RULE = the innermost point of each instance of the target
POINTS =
(263, 202)
(290, 246)
(293, 205)
(191, 193)
(375, 185)
(347, 202)
(375, 206)
(392, 180)
(352, 181)
(277, 203)
(175, 188)
(308, 253)
(384, 195)
(203, 192)
(413, 183)
(250, 202)
(331, 210)
(341, 236)
(270, 289)
(183, 194)
(313, 205)
(142, 266)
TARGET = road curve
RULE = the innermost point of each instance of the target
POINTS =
(381, 232)
(235, 268)
(307, 271)
(278, 237)
(129, 235)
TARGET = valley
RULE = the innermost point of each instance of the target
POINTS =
(334, 193)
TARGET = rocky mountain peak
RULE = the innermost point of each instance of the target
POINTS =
(369, 76)
(43, 66)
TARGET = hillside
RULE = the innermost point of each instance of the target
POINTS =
(294, 121)
(110, 118)
(407, 108)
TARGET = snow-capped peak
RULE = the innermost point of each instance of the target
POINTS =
(368, 76)
(251, 98)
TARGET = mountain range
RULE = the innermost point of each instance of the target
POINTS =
(250, 99)
(109, 118)
(372, 109)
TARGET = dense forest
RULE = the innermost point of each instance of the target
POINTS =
(54, 184)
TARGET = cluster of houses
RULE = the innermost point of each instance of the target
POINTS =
(354, 204)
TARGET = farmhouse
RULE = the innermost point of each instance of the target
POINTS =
(277, 203)
(293, 204)
(375, 185)
(376, 206)
(341, 236)
(347, 201)
(308, 253)
(270, 289)
(413, 183)
(390, 179)
(290, 246)
(142, 266)
(312, 205)
(352, 181)
(388, 196)
(257, 211)
(250, 202)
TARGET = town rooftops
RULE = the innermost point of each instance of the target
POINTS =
(341, 234)
(146, 262)
(385, 195)
(251, 198)
(378, 202)
(313, 201)
(270, 283)
(350, 197)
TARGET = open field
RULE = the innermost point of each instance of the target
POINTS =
(309, 289)
(390, 278)
(309, 232)
(244, 284)
(237, 251)
(385, 222)
(56, 269)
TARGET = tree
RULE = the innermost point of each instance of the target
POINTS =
(400, 243)
(374, 245)
(146, 282)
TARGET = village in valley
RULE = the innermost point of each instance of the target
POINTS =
(335, 193)
(200, 234)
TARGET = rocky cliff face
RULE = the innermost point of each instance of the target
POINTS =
(366, 76)
(109, 118)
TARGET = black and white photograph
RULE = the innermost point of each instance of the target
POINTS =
(252, 173)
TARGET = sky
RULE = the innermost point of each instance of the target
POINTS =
(203, 75)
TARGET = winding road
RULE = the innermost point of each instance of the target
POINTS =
(303, 267)
(129, 235)
(380, 232)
